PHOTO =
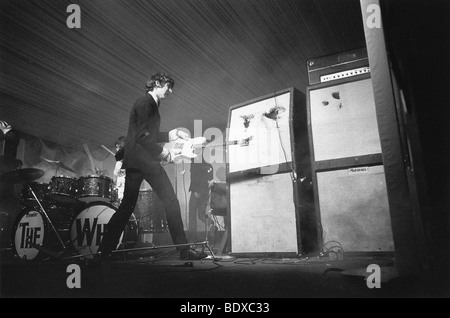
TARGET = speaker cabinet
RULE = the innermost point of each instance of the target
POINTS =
(347, 166)
(343, 120)
(264, 200)
(263, 216)
(354, 209)
(268, 133)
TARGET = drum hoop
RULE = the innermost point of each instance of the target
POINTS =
(94, 177)
(89, 204)
(26, 195)
(23, 212)
(63, 176)
(52, 194)
(33, 182)
(93, 196)
(29, 209)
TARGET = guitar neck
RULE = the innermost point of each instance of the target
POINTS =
(228, 143)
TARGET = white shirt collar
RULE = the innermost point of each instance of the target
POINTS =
(152, 93)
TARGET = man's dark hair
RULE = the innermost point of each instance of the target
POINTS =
(120, 141)
(162, 78)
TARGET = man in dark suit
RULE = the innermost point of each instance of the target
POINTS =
(142, 160)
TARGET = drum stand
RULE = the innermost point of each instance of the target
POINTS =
(51, 224)
(204, 244)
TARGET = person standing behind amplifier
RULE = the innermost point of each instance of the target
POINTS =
(142, 161)
(201, 175)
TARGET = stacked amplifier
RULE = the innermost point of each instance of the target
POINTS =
(267, 154)
(346, 161)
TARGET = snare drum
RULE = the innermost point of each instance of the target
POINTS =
(63, 189)
(95, 188)
(90, 224)
(39, 189)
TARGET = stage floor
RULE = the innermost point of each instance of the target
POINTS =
(160, 274)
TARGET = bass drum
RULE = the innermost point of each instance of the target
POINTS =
(32, 228)
(89, 226)
(40, 190)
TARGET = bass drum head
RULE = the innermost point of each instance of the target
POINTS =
(89, 226)
(29, 228)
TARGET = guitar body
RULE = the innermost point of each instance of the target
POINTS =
(184, 150)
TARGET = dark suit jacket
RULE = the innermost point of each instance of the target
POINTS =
(142, 143)
(120, 154)
(201, 174)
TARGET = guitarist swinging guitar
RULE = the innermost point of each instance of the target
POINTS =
(185, 149)
(142, 158)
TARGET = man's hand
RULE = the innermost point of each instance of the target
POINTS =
(168, 156)
(165, 156)
(176, 133)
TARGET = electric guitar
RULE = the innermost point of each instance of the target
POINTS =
(181, 149)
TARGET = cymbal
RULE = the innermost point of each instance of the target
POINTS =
(22, 175)
(59, 164)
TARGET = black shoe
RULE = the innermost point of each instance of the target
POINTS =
(192, 255)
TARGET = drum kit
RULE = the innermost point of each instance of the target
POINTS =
(67, 216)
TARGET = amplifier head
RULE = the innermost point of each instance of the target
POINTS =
(337, 66)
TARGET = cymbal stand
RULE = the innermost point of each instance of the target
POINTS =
(206, 243)
(48, 219)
